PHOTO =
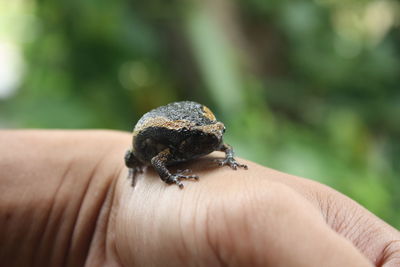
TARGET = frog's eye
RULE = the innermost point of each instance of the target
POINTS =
(223, 130)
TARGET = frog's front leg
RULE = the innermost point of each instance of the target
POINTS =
(229, 159)
(134, 165)
(159, 163)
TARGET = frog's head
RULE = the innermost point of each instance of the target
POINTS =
(211, 134)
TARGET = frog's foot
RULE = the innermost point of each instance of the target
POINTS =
(175, 178)
(231, 162)
(133, 172)
(139, 169)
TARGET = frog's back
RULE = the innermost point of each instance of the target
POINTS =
(191, 112)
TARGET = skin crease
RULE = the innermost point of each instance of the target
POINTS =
(65, 200)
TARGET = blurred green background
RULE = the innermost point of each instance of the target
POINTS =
(306, 87)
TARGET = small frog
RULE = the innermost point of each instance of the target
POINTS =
(177, 132)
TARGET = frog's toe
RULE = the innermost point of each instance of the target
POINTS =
(133, 172)
(237, 164)
(181, 175)
(175, 179)
(139, 169)
(178, 183)
(231, 162)
(220, 162)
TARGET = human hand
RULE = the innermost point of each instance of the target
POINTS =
(65, 199)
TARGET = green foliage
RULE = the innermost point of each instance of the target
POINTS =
(306, 87)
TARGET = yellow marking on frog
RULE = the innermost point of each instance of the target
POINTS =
(162, 122)
(215, 128)
(208, 113)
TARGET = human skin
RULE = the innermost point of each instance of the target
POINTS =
(65, 200)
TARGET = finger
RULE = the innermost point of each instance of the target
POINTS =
(280, 228)
(373, 237)
(55, 195)
(377, 240)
